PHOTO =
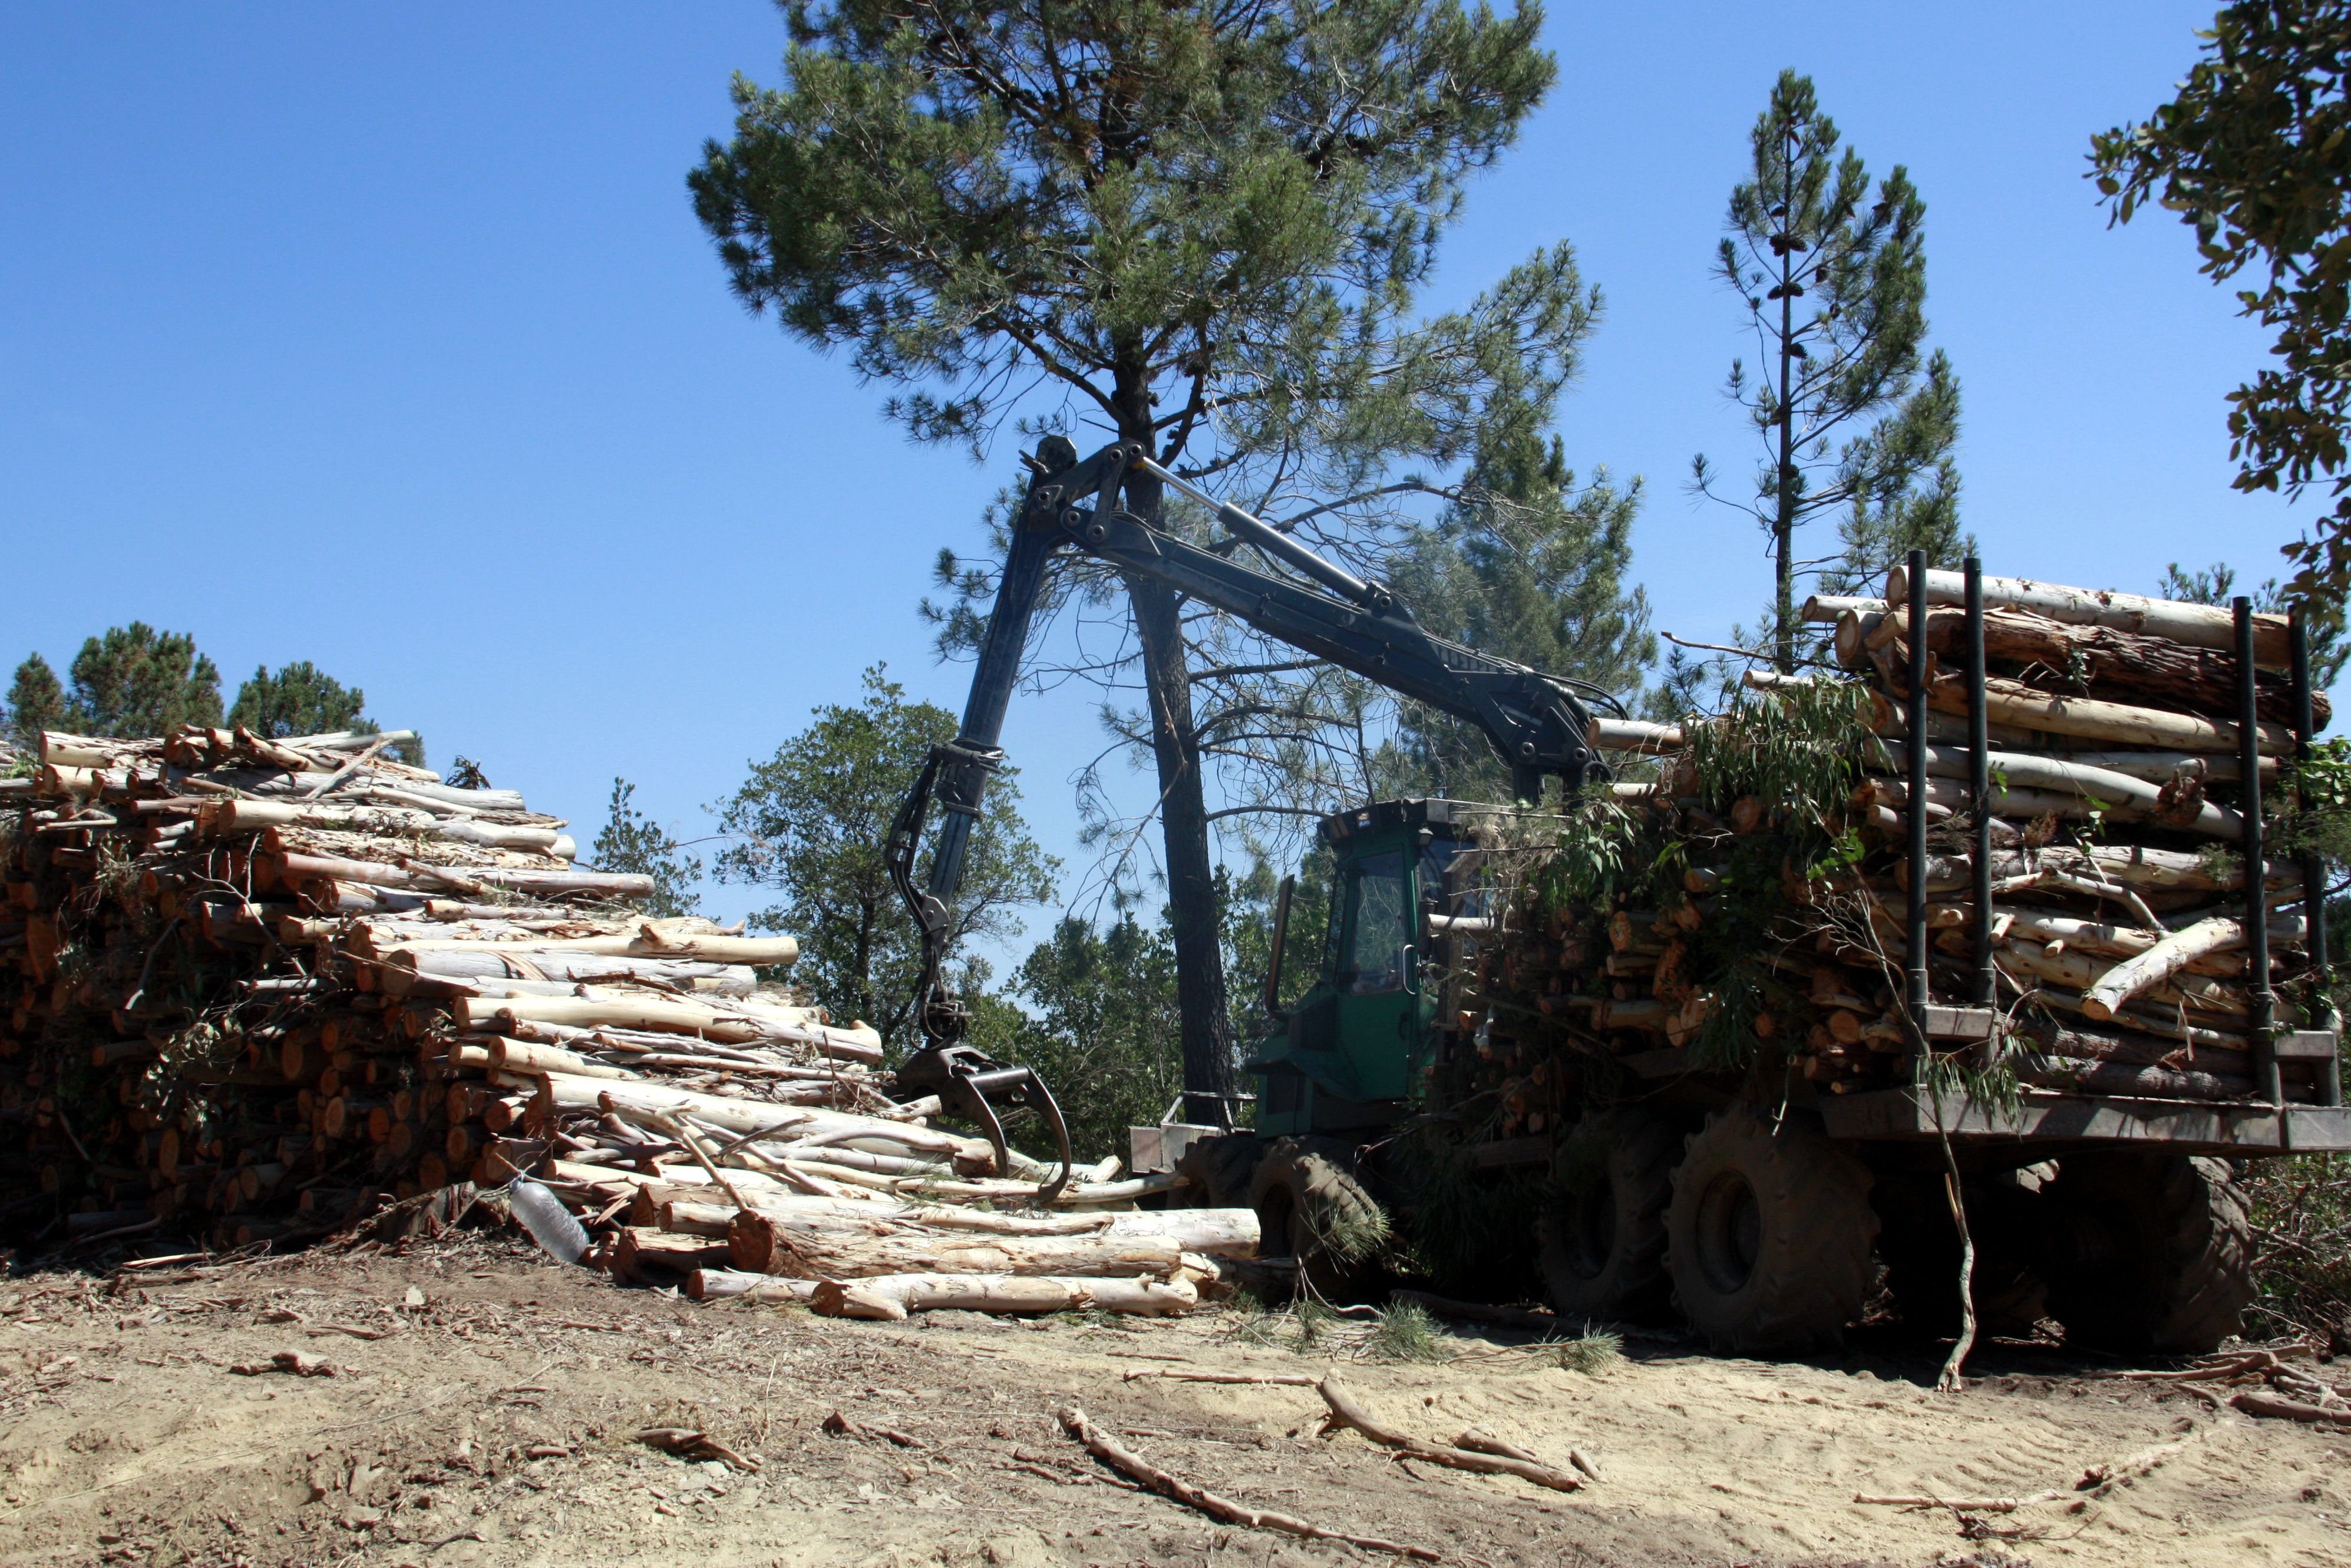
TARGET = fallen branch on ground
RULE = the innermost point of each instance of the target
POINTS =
(1119, 1457)
(840, 1426)
(1958, 1504)
(689, 1444)
(1296, 1379)
(1346, 1412)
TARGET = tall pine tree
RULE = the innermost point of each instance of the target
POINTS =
(1197, 226)
(1835, 281)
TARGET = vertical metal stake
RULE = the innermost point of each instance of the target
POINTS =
(1916, 958)
(2257, 913)
(2320, 1014)
(1987, 993)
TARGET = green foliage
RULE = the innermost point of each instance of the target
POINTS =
(1101, 1027)
(1529, 564)
(633, 843)
(302, 699)
(2254, 153)
(1406, 1333)
(1587, 1353)
(37, 701)
(810, 823)
(1110, 193)
(133, 681)
(1803, 226)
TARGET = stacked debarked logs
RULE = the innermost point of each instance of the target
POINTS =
(2118, 898)
(257, 990)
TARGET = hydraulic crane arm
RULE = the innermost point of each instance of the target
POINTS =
(1536, 723)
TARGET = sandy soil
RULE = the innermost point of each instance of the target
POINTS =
(497, 1424)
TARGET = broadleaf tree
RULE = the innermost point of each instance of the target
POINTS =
(1193, 224)
(1855, 423)
(810, 822)
(2253, 153)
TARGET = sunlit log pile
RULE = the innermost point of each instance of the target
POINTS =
(1748, 907)
(255, 991)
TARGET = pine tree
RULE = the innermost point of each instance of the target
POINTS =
(133, 681)
(1530, 564)
(1803, 227)
(300, 698)
(632, 841)
(1198, 225)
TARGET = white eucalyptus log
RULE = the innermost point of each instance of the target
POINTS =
(2196, 625)
(2149, 970)
(890, 1298)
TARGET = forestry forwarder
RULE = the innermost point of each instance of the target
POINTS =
(1537, 724)
(1765, 1233)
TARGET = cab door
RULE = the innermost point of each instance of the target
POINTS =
(1380, 1022)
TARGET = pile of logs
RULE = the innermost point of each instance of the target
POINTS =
(254, 990)
(2118, 897)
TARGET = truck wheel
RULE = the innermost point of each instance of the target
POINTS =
(1602, 1236)
(1920, 1248)
(1768, 1236)
(1309, 1206)
(1217, 1172)
(2147, 1254)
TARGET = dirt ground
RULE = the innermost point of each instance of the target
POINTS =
(497, 1422)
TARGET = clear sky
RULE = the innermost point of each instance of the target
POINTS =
(383, 336)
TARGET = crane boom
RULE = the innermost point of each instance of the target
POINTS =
(1536, 723)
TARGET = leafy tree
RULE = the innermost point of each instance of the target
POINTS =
(1197, 225)
(133, 681)
(1101, 1027)
(2254, 152)
(1803, 227)
(811, 821)
(633, 843)
(302, 699)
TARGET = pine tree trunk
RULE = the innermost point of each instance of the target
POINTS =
(1206, 1022)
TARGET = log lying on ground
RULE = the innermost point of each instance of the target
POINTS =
(780, 1244)
(889, 1298)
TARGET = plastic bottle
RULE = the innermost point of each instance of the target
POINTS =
(549, 1223)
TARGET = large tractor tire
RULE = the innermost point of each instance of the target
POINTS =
(1768, 1236)
(1217, 1172)
(1602, 1236)
(2146, 1253)
(1920, 1248)
(1309, 1206)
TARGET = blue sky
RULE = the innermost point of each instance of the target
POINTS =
(383, 336)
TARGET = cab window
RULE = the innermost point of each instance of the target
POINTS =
(1379, 925)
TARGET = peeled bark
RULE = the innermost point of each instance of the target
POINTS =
(2149, 970)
